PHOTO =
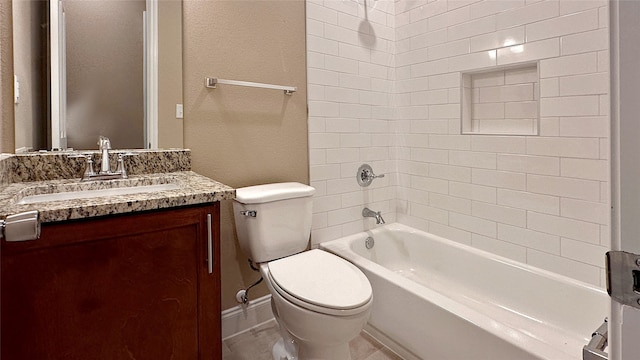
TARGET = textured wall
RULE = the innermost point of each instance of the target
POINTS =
(243, 136)
(170, 129)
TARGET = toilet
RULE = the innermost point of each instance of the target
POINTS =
(319, 300)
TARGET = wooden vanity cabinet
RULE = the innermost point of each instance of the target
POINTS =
(133, 286)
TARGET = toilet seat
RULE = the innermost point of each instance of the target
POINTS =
(322, 282)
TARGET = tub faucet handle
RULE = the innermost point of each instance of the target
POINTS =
(365, 175)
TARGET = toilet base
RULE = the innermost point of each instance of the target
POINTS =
(315, 352)
(279, 352)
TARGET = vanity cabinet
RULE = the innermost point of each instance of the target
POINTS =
(134, 286)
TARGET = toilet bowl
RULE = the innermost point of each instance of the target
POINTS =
(319, 300)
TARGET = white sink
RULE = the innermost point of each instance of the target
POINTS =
(88, 194)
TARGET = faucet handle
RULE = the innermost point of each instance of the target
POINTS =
(88, 168)
(365, 175)
(121, 168)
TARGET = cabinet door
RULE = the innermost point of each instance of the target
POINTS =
(123, 287)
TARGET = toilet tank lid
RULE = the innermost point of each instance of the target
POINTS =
(273, 192)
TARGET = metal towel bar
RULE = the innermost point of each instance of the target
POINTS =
(594, 350)
(211, 82)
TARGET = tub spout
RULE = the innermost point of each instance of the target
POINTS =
(366, 212)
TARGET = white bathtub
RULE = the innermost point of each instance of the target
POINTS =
(438, 299)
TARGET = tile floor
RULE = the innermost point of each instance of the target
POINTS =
(256, 344)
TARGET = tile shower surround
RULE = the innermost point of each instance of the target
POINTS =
(384, 89)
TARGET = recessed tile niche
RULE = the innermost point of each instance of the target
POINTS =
(502, 101)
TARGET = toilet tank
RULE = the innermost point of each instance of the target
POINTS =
(273, 220)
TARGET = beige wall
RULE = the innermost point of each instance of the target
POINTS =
(242, 136)
(169, 73)
(6, 78)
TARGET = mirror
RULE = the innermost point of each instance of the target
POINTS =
(85, 68)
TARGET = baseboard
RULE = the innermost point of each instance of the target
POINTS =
(244, 317)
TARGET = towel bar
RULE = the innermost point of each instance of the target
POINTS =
(211, 82)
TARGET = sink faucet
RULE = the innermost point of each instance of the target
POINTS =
(366, 212)
(105, 172)
(104, 144)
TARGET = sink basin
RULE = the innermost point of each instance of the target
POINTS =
(94, 193)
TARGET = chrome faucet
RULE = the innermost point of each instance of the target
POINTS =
(105, 172)
(366, 212)
(104, 144)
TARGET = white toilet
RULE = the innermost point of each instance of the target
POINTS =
(320, 300)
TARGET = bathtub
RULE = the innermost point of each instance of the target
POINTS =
(438, 299)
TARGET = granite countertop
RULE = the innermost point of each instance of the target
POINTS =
(54, 172)
(191, 189)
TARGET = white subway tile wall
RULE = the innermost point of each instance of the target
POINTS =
(351, 78)
(384, 88)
